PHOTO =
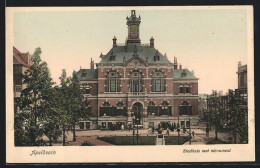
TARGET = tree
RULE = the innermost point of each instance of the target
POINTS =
(52, 110)
(76, 103)
(238, 124)
(38, 83)
(214, 110)
(64, 101)
(75, 108)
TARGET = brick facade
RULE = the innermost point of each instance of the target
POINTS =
(145, 86)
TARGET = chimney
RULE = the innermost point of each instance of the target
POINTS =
(114, 41)
(152, 42)
(239, 64)
(91, 64)
(180, 66)
(175, 64)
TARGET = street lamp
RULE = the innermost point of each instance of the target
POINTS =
(133, 117)
(178, 130)
(137, 130)
(190, 130)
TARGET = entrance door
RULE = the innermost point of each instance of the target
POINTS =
(138, 113)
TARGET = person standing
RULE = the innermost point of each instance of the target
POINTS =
(207, 131)
(193, 133)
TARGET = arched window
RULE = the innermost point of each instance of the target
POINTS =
(120, 109)
(158, 82)
(165, 108)
(185, 108)
(136, 81)
(105, 110)
(113, 82)
(151, 108)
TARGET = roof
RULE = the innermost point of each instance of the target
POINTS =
(20, 58)
(125, 53)
(87, 74)
(179, 74)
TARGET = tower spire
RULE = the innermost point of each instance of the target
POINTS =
(133, 23)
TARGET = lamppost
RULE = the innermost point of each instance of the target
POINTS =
(137, 130)
(133, 117)
(178, 130)
(137, 121)
(190, 130)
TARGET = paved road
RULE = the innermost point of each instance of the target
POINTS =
(91, 135)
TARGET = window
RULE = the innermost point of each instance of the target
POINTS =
(158, 82)
(151, 108)
(105, 110)
(187, 124)
(112, 82)
(156, 58)
(165, 108)
(84, 74)
(87, 125)
(187, 88)
(136, 81)
(183, 74)
(181, 89)
(87, 89)
(185, 108)
(112, 58)
(120, 109)
(182, 124)
(81, 125)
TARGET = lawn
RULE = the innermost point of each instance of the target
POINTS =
(143, 140)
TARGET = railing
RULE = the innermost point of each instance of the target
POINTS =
(136, 93)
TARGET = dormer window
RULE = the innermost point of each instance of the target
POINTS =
(84, 74)
(183, 74)
(112, 58)
(156, 58)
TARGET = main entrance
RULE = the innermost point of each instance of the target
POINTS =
(137, 110)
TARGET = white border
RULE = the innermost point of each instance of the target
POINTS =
(83, 154)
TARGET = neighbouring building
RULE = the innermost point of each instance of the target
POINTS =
(223, 101)
(21, 62)
(241, 91)
(136, 84)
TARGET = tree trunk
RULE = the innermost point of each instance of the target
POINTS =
(64, 138)
(74, 134)
(50, 141)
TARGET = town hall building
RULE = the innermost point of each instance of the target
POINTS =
(135, 84)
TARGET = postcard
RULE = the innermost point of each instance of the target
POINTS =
(130, 84)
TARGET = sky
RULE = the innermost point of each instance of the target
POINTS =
(208, 41)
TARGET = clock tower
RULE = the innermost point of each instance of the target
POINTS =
(133, 23)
